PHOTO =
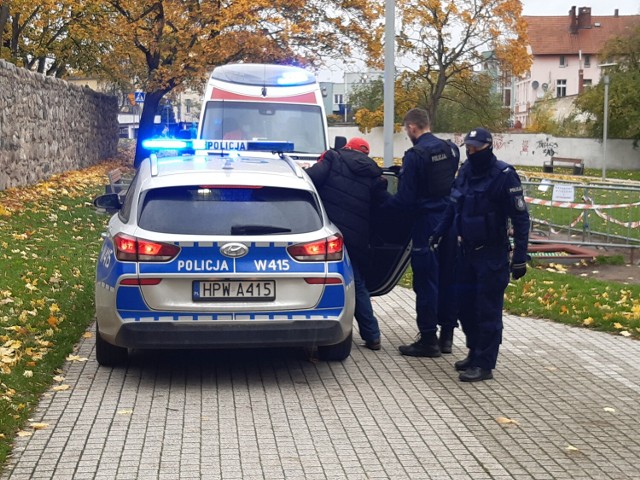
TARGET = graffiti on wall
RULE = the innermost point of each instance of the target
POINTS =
(549, 148)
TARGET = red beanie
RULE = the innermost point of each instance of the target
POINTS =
(359, 144)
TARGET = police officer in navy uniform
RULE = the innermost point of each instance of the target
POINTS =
(486, 195)
(425, 179)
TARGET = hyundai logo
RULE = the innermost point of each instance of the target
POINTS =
(234, 250)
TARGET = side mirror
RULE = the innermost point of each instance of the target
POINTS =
(108, 203)
(339, 142)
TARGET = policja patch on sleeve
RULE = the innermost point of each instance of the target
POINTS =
(521, 205)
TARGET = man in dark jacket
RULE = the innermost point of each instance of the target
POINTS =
(428, 170)
(350, 184)
(486, 196)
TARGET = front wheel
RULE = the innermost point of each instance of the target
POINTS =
(337, 352)
(109, 355)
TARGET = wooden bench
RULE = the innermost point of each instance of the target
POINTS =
(576, 163)
(116, 182)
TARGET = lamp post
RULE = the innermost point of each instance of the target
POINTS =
(605, 126)
(344, 96)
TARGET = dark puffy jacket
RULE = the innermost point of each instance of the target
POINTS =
(350, 185)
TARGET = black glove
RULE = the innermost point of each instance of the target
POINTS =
(518, 270)
(434, 241)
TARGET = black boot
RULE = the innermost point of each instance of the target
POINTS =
(424, 346)
(475, 374)
(462, 365)
(445, 341)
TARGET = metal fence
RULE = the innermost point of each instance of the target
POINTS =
(583, 211)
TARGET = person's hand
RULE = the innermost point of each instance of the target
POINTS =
(434, 241)
(518, 270)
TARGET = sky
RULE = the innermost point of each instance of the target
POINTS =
(529, 7)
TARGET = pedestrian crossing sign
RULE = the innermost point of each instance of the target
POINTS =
(139, 96)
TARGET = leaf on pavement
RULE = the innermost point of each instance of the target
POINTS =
(23, 433)
(87, 335)
(60, 388)
(609, 409)
(571, 448)
(504, 421)
(38, 426)
(76, 358)
(125, 411)
(58, 378)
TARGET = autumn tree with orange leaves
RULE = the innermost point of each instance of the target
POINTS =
(445, 40)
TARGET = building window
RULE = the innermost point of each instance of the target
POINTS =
(507, 97)
(337, 99)
(587, 61)
(187, 104)
(587, 82)
(563, 61)
(561, 88)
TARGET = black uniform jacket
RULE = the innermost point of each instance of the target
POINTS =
(350, 186)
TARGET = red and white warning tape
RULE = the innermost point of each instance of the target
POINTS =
(582, 206)
(587, 206)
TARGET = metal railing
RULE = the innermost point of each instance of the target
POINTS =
(585, 211)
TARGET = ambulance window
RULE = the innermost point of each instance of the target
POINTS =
(303, 125)
(202, 210)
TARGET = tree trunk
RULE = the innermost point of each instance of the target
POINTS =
(4, 16)
(146, 126)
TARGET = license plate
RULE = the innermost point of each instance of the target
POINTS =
(233, 290)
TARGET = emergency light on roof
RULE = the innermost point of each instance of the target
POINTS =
(164, 144)
(159, 144)
(263, 75)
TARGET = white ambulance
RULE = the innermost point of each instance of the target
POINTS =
(264, 102)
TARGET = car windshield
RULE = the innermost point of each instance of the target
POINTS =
(206, 210)
(301, 124)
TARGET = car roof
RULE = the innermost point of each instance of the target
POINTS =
(229, 169)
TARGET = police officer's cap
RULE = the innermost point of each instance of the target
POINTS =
(478, 137)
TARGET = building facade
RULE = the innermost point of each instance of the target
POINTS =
(565, 55)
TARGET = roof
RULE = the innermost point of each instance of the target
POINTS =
(264, 170)
(550, 35)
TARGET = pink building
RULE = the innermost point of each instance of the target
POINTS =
(565, 55)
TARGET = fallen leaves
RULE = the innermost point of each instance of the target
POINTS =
(38, 425)
(506, 422)
(76, 358)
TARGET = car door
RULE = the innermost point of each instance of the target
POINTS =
(390, 249)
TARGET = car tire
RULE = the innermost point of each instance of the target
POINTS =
(337, 352)
(109, 355)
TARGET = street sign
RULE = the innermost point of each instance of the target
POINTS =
(140, 97)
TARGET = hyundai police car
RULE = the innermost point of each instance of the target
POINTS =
(224, 248)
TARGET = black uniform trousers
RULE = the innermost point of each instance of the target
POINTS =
(482, 277)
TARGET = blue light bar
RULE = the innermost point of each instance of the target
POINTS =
(165, 144)
(159, 144)
(242, 145)
(293, 78)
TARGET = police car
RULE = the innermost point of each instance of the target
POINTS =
(222, 247)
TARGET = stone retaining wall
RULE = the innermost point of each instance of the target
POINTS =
(49, 126)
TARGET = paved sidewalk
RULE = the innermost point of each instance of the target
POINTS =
(573, 396)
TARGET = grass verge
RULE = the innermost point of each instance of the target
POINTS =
(49, 239)
(548, 291)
